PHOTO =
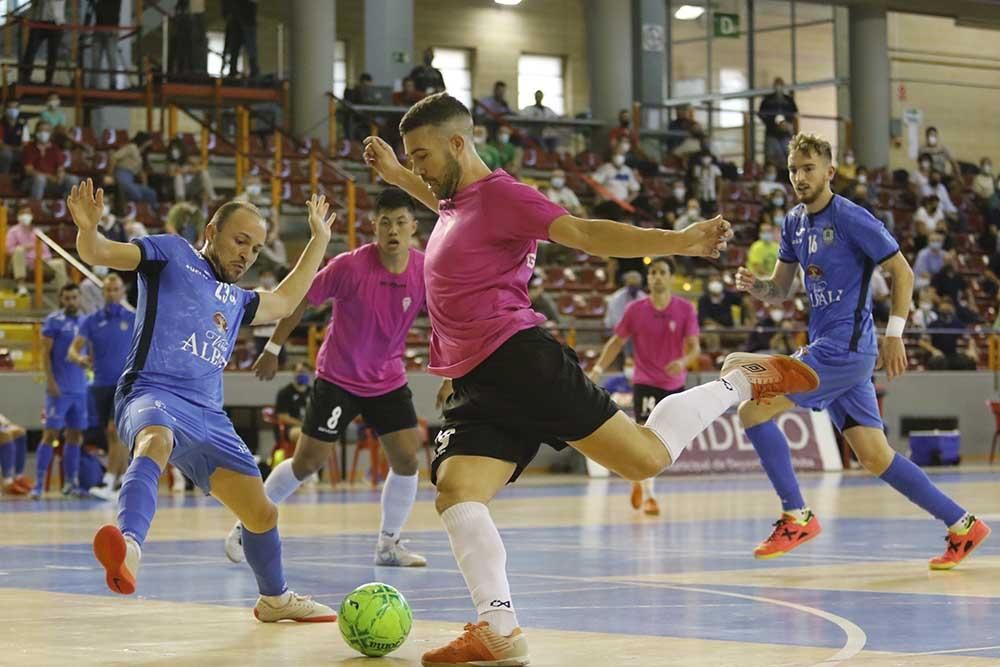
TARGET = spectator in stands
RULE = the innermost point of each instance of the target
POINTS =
(45, 175)
(847, 170)
(624, 131)
(126, 169)
(921, 178)
(620, 182)
(363, 92)
(507, 151)
(253, 191)
(427, 79)
(928, 218)
(929, 261)
(20, 246)
(53, 113)
(273, 255)
(769, 182)
(881, 302)
(487, 151)
(943, 347)
(984, 184)
(763, 334)
(560, 194)
(630, 290)
(682, 128)
(290, 403)
(545, 135)
(676, 202)
(940, 156)
(134, 229)
(241, 31)
(186, 220)
(14, 129)
(542, 302)
(409, 95)
(262, 332)
(948, 283)
(691, 214)
(190, 177)
(937, 187)
(716, 305)
(53, 14)
(763, 253)
(925, 310)
(496, 104)
(779, 114)
(706, 178)
(776, 206)
(107, 13)
(111, 227)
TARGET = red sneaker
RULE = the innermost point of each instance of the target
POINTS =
(13, 489)
(788, 534)
(26, 484)
(119, 557)
(636, 497)
(479, 645)
(651, 507)
(961, 544)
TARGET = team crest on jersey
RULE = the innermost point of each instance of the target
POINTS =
(220, 321)
(828, 236)
(407, 301)
(814, 272)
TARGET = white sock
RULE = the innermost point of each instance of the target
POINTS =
(398, 495)
(647, 488)
(961, 524)
(678, 418)
(109, 479)
(799, 515)
(482, 559)
(282, 482)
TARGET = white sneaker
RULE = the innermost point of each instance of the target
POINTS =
(291, 606)
(120, 556)
(394, 554)
(103, 492)
(234, 544)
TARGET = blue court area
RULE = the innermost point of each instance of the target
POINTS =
(863, 584)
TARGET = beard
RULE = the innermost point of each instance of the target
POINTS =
(448, 185)
(225, 275)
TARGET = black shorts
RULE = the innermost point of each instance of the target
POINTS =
(530, 391)
(332, 408)
(645, 398)
(102, 400)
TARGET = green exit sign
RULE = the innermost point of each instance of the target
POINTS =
(726, 25)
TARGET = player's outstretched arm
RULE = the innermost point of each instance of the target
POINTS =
(609, 353)
(775, 289)
(267, 363)
(606, 238)
(286, 297)
(86, 208)
(892, 355)
(380, 157)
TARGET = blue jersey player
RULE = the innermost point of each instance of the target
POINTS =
(168, 404)
(838, 245)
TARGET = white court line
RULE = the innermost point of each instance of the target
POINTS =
(955, 650)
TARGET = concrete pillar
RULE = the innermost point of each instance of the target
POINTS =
(609, 58)
(312, 36)
(388, 40)
(649, 35)
(870, 88)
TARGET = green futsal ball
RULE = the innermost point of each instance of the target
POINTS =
(375, 619)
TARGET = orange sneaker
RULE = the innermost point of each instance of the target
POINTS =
(773, 375)
(788, 534)
(636, 497)
(961, 544)
(650, 507)
(26, 484)
(479, 645)
(12, 488)
(120, 558)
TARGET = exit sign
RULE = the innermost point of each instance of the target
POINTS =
(726, 25)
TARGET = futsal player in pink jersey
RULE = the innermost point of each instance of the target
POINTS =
(377, 292)
(509, 385)
(664, 330)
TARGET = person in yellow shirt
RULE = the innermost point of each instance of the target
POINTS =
(763, 253)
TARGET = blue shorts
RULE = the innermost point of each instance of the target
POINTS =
(846, 388)
(67, 411)
(204, 439)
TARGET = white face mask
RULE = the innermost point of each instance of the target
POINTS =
(42, 137)
(706, 160)
(268, 283)
(253, 190)
(108, 221)
(24, 219)
(629, 372)
(779, 214)
(175, 154)
(862, 178)
(618, 160)
(776, 314)
(848, 159)
(925, 165)
(694, 212)
(107, 210)
(770, 177)
(679, 194)
(558, 182)
(767, 237)
(715, 287)
(503, 137)
(626, 147)
(53, 104)
(479, 140)
(100, 271)
(932, 140)
(987, 168)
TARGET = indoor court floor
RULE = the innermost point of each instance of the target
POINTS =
(594, 582)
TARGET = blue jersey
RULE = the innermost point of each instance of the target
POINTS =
(62, 329)
(838, 249)
(109, 333)
(187, 322)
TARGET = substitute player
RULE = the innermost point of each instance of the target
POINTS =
(838, 244)
(511, 384)
(665, 334)
(377, 292)
(13, 448)
(168, 405)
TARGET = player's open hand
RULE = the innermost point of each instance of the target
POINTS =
(319, 223)
(380, 157)
(266, 366)
(85, 206)
(707, 238)
(892, 356)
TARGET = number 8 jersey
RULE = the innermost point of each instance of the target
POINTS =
(187, 322)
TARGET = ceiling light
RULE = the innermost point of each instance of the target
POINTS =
(688, 12)
(508, 2)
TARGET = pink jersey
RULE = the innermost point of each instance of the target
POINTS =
(479, 260)
(373, 310)
(658, 336)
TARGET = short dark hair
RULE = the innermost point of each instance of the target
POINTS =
(389, 199)
(930, 129)
(436, 109)
(140, 137)
(365, 76)
(68, 287)
(664, 260)
(223, 212)
(499, 83)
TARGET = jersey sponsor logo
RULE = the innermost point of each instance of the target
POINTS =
(200, 272)
(814, 272)
(820, 296)
(829, 236)
(219, 320)
(213, 347)
(407, 302)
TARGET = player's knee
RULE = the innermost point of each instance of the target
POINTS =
(155, 446)
(451, 492)
(875, 460)
(404, 463)
(309, 457)
(262, 518)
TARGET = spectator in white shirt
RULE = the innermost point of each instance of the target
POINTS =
(927, 219)
(546, 135)
(625, 295)
(620, 182)
(769, 183)
(560, 194)
(938, 188)
(707, 180)
(690, 216)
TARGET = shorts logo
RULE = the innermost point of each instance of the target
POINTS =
(828, 236)
(219, 320)
(407, 302)
(814, 272)
(443, 439)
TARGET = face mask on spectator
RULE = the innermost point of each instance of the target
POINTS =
(715, 287)
(935, 245)
(778, 202)
(770, 176)
(53, 103)
(932, 140)
(629, 372)
(42, 137)
(925, 164)
(779, 214)
(558, 182)
(253, 190)
(848, 159)
(503, 137)
(13, 113)
(24, 218)
(767, 237)
(618, 160)
(862, 178)
(987, 168)
(175, 153)
(626, 147)
(776, 315)
(107, 221)
(100, 271)
(706, 160)
(694, 211)
(478, 139)
(679, 194)
(268, 282)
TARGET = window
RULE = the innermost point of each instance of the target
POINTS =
(339, 68)
(456, 69)
(544, 73)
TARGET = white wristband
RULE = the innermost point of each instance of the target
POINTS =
(272, 348)
(895, 327)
